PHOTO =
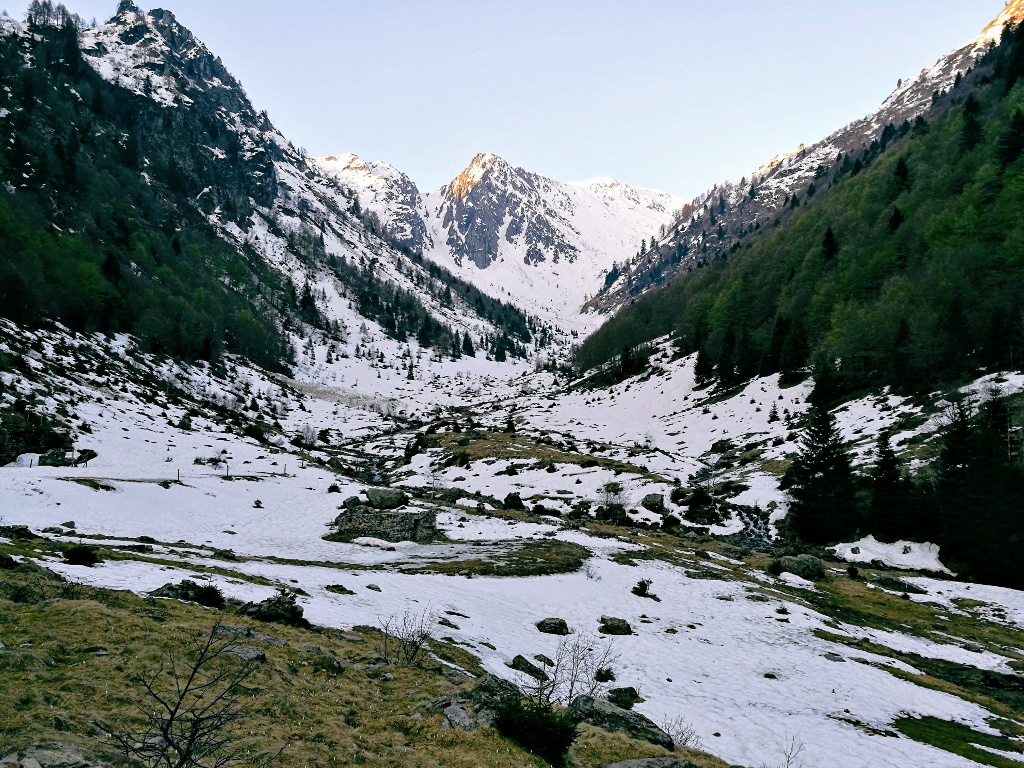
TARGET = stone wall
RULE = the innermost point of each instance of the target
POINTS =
(400, 525)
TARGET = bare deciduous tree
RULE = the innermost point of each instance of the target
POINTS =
(194, 708)
(682, 733)
(582, 666)
(405, 638)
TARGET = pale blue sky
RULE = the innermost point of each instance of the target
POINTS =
(671, 94)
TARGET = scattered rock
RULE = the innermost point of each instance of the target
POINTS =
(605, 715)
(247, 652)
(456, 717)
(490, 691)
(547, 660)
(446, 622)
(387, 677)
(553, 626)
(52, 755)
(805, 566)
(382, 498)
(611, 625)
(373, 587)
(522, 664)
(833, 657)
(7, 563)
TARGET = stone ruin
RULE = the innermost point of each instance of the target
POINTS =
(384, 516)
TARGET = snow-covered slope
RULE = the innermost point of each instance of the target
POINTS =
(715, 221)
(545, 245)
(294, 216)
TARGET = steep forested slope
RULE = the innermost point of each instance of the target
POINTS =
(908, 271)
(141, 192)
(97, 225)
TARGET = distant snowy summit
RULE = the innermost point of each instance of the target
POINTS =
(545, 245)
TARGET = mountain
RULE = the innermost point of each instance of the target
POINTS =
(903, 271)
(191, 221)
(545, 245)
(734, 213)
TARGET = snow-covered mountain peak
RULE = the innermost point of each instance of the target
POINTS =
(483, 164)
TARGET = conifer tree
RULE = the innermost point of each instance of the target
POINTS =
(819, 483)
(902, 176)
(467, 346)
(829, 245)
(972, 133)
(892, 502)
(726, 367)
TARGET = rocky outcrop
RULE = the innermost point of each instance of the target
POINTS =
(606, 716)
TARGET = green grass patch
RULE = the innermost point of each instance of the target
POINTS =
(960, 740)
(530, 558)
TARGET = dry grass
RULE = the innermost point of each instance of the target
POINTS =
(67, 666)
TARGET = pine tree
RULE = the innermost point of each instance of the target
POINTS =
(1011, 143)
(819, 483)
(467, 346)
(902, 176)
(896, 221)
(891, 495)
(972, 133)
(829, 245)
(726, 367)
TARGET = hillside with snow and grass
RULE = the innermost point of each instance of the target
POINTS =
(337, 419)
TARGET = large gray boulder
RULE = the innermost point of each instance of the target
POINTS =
(606, 716)
(805, 566)
(490, 691)
(385, 498)
(653, 502)
(611, 625)
(553, 626)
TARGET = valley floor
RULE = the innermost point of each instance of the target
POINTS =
(752, 662)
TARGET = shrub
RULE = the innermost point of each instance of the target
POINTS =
(334, 488)
(514, 501)
(538, 728)
(81, 554)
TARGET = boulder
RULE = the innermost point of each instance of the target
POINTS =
(553, 626)
(385, 498)
(613, 626)
(456, 717)
(352, 502)
(7, 563)
(281, 608)
(805, 566)
(522, 664)
(654, 502)
(604, 715)
(490, 691)
(247, 652)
